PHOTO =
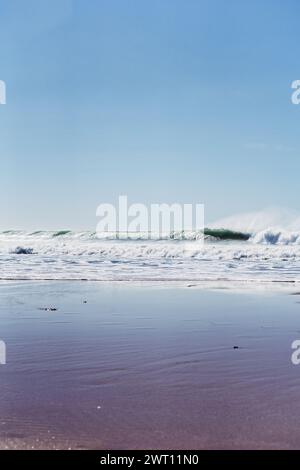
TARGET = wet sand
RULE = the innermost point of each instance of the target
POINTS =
(146, 367)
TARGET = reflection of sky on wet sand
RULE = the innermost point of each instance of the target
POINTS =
(118, 366)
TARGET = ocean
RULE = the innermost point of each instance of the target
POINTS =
(218, 254)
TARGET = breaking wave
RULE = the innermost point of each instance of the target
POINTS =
(261, 246)
(268, 236)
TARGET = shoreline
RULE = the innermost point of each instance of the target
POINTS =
(164, 282)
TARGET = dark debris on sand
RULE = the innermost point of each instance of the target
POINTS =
(48, 309)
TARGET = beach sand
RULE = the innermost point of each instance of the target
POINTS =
(120, 366)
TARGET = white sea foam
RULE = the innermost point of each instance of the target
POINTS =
(261, 246)
(268, 255)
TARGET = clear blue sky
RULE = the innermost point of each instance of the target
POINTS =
(162, 100)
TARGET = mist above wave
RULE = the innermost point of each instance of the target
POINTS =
(269, 226)
(273, 218)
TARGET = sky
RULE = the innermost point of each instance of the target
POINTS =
(164, 101)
